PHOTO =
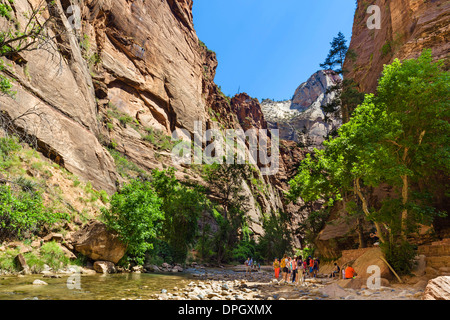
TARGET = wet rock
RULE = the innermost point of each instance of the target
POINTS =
(38, 282)
(104, 267)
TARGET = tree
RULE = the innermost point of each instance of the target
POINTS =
(33, 36)
(226, 184)
(397, 137)
(415, 95)
(182, 207)
(135, 214)
(337, 54)
(347, 97)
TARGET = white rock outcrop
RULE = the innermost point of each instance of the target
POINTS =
(302, 118)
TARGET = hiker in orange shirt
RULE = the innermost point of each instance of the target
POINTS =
(350, 272)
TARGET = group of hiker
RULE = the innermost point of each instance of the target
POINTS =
(251, 265)
(294, 270)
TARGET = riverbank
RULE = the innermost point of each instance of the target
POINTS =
(230, 285)
(192, 284)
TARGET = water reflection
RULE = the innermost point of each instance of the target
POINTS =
(93, 287)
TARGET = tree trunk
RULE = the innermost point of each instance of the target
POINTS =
(366, 209)
(405, 195)
(362, 241)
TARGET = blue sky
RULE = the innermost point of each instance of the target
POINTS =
(267, 48)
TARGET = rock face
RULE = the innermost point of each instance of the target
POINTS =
(55, 97)
(248, 111)
(131, 64)
(98, 243)
(302, 119)
(407, 27)
(438, 289)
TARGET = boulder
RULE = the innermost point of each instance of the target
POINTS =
(151, 268)
(437, 289)
(372, 257)
(357, 283)
(69, 254)
(95, 241)
(104, 267)
(138, 269)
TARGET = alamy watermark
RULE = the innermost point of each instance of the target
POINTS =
(374, 281)
(74, 281)
(228, 146)
(374, 21)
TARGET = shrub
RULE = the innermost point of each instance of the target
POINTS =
(159, 139)
(52, 255)
(7, 262)
(8, 146)
(23, 214)
(400, 256)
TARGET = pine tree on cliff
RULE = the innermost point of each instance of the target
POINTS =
(347, 95)
(337, 54)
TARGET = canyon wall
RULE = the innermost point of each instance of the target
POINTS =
(407, 27)
(130, 69)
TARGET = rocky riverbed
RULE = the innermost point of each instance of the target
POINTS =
(228, 285)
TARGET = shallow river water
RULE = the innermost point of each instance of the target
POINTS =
(93, 287)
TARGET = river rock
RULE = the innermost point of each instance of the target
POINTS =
(95, 241)
(438, 289)
(151, 268)
(104, 267)
(38, 282)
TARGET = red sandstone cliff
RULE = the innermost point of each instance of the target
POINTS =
(407, 27)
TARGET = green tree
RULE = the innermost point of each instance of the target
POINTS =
(135, 214)
(182, 207)
(415, 97)
(277, 239)
(347, 96)
(398, 137)
(337, 54)
(225, 183)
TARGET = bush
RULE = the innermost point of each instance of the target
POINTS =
(400, 256)
(135, 214)
(8, 146)
(159, 139)
(244, 250)
(7, 262)
(52, 255)
(23, 214)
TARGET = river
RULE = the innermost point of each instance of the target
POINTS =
(93, 287)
